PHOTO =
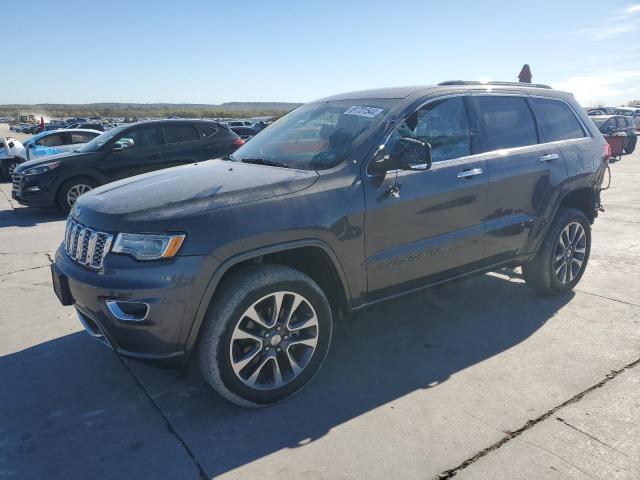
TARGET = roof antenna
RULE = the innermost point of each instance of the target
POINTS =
(525, 74)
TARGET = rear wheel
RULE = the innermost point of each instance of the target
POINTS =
(563, 256)
(265, 336)
(631, 145)
(72, 189)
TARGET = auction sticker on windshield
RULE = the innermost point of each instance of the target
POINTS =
(362, 111)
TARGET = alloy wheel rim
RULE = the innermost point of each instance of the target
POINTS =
(12, 168)
(75, 191)
(570, 252)
(274, 340)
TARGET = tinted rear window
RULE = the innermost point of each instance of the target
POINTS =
(556, 120)
(207, 130)
(508, 122)
(180, 133)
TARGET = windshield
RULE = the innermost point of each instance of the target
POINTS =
(599, 121)
(315, 136)
(626, 113)
(100, 140)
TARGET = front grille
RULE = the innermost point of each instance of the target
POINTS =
(86, 246)
(16, 181)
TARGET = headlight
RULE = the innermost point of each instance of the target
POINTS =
(41, 168)
(142, 246)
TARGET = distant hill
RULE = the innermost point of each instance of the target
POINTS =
(229, 109)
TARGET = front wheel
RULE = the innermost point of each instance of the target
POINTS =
(71, 190)
(265, 336)
(563, 256)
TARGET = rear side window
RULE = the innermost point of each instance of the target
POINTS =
(207, 130)
(508, 122)
(180, 133)
(556, 120)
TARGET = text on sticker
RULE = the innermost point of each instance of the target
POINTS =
(363, 111)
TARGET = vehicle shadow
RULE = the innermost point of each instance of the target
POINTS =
(29, 217)
(379, 356)
(70, 409)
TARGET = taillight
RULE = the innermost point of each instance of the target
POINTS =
(607, 151)
(238, 141)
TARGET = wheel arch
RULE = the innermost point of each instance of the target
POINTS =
(84, 175)
(313, 257)
(583, 199)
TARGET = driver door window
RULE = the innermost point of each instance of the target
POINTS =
(442, 124)
(54, 140)
(139, 137)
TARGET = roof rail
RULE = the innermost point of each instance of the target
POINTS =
(506, 84)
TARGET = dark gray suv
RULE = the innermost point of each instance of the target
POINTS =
(246, 261)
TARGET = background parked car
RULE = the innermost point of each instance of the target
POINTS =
(125, 151)
(10, 148)
(90, 126)
(609, 124)
(240, 123)
(57, 141)
(41, 145)
(632, 112)
(244, 133)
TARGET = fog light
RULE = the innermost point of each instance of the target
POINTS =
(33, 189)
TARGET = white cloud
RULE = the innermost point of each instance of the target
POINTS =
(621, 22)
(611, 87)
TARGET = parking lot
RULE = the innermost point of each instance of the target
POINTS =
(477, 379)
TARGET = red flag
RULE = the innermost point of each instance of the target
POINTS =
(41, 123)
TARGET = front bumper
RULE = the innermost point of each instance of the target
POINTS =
(30, 192)
(171, 289)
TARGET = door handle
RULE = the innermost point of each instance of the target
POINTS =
(470, 173)
(549, 158)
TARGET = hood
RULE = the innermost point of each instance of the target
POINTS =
(46, 159)
(187, 190)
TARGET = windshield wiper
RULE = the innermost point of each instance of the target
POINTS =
(262, 161)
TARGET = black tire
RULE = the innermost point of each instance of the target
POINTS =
(229, 306)
(65, 188)
(540, 272)
(7, 167)
(631, 146)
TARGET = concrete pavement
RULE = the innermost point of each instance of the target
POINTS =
(479, 379)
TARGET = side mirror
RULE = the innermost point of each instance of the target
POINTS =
(117, 147)
(409, 154)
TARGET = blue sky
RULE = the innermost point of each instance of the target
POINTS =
(210, 52)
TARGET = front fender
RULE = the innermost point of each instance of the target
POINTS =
(229, 263)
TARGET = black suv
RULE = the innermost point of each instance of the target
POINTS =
(340, 204)
(58, 180)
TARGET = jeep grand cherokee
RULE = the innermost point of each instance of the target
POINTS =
(346, 201)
